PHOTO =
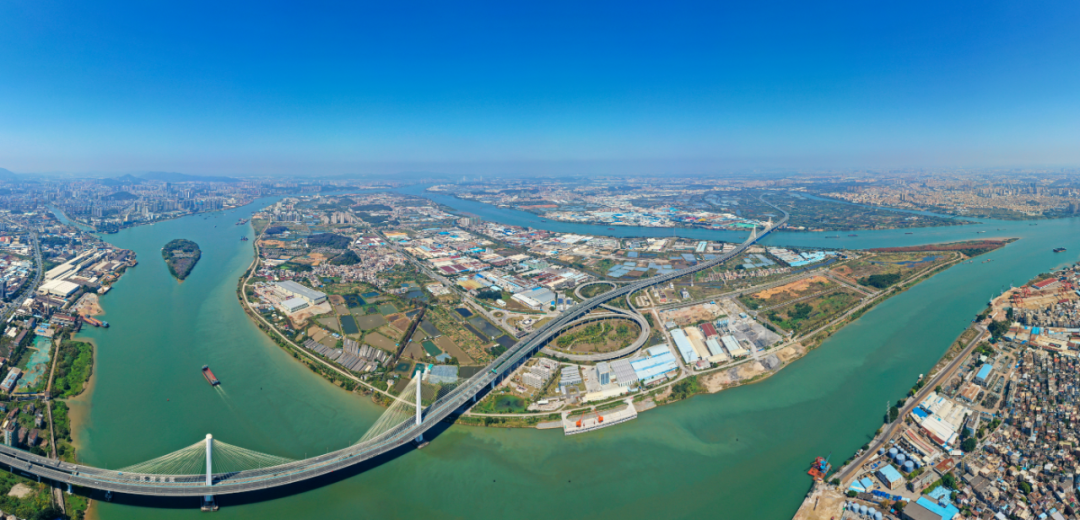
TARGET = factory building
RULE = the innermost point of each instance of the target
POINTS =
(296, 290)
(685, 348)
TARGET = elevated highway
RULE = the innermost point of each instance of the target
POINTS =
(202, 485)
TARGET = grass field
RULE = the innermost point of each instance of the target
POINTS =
(807, 315)
(601, 336)
(889, 263)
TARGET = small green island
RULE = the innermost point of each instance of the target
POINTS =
(181, 255)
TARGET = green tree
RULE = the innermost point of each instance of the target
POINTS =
(1025, 487)
(998, 328)
(948, 480)
(968, 445)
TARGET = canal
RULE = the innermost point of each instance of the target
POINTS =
(741, 453)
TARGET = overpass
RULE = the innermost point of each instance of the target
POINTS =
(182, 473)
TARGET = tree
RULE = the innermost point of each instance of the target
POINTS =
(1025, 487)
(835, 482)
(948, 480)
(998, 328)
(969, 445)
(852, 494)
(937, 389)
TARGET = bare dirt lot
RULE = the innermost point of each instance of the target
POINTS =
(795, 289)
(692, 314)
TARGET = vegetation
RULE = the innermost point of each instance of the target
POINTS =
(880, 281)
(686, 388)
(74, 364)
(181, 255)
(330, 240)
(598, 336)
(969, 444)
(998, 328)
(346, 258)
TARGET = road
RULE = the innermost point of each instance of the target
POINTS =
(396, 437)
(39, 267)
(852, 469)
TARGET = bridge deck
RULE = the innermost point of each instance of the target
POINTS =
(253, 480)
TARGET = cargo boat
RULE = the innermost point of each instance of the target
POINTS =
(209, 375)
(1059, 249)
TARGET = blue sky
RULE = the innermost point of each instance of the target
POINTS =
(331, 88)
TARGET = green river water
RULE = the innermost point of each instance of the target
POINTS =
(741, 453)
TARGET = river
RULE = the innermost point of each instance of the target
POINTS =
(741, 453)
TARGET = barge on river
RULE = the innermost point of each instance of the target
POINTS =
(209, 375)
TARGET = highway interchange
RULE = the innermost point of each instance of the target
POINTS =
(408, 431)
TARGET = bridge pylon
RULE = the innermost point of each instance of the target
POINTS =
(419, 406)
(208, 503)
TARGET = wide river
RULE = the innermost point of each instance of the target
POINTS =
(741, 453)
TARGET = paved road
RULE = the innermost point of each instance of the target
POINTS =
(852, 469)
(398, 436)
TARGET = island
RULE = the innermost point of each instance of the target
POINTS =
(181, 255)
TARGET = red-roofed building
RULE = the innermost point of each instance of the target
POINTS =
(1049, 283)
(709, 330)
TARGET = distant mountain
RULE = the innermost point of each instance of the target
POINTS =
(122, 180)
(183, 177)
(7, 175)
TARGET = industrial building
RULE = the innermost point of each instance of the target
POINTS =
(570, 375)
(296, 290)
(890, 477)
(294, 304)
(686, 349)
(984, 373)
(655, 367)
(59, 288)
(535, 299)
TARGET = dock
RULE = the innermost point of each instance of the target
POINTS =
(593, 421)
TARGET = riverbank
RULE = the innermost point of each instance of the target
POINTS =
(754, 369)
(725, 377)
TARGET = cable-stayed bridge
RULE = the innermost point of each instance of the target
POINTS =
(211, 467)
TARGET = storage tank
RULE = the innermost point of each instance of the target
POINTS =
(900, 457)
(893, 452)
(881, 451)
(877, 515)
(909, 467)
(862, 509)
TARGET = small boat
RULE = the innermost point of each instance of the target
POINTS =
(853, 235)
(909, 233)
(611, 229)
(209, 375)
(835, 236)
(989, 260)
(243, 239)
(1059, 249)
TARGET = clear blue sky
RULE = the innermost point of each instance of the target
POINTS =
(457, 86)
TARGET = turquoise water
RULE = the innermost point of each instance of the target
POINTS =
(37, 366)
(737, 454)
